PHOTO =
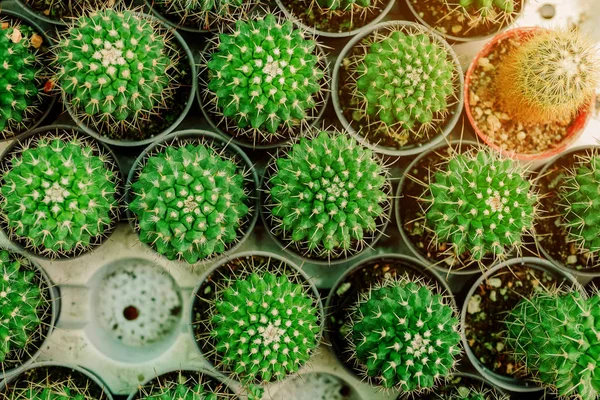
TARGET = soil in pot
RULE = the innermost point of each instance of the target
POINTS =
(457, 23)
(65, 9)
(551, 234)
(489, 305)
(500, 128)
(191, 379)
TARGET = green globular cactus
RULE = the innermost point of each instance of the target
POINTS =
(480, 203)
(181, 391)
(404, 84)
(114, 67)
(405, 335)
(59, 195)
(201, 11)
(189, 202)
(484, 11)
(265, 326)
(55, 392)
(19, 77)
(20, 299)
(557, 337)
(265, 76)
(328, 193)
(471, 393)
(580, 200)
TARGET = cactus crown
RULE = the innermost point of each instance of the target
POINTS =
(555, 333)
(404, 335)
(20, 301)
(264, 321)
(485, 11)
(403, 83)
(328, 193)
(190, 200)
(59, 194)
(549, 77)
(115, 68)
(186, 386)
(480, 202)
(20, 69)
(581, 203)
(266, 77)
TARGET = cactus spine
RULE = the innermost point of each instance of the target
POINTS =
(186, 386)
(205, 14)
(485, 11)
(355, 6)
(404, 335)
(549, 77)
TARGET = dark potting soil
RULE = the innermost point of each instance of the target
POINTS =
(455, 23)
(55, 375)
(551, 234)
(490, 304)
(412, 216)
(333, 21)
(346, 293)
(191, 379)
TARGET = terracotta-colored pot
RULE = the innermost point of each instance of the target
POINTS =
(574, 130)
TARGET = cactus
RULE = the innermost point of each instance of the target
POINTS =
(481, 203)
(556, 335)
(345, 5)
(472, 393)
(404, 84)
(203, 12)
(190, 202)
(184, 388)
(58, 194)
(265, 76)
(581, 203)
(404, 335)
(549, 77)
(327, 194)
(63, 10)
(20, 70)
(20, 300)
(115, 68)
(264, 322)
(484, 11)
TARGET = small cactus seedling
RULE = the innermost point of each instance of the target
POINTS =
(20, 301)
(484, 11)
(190, 201)
(264, 321)
(402, 83)
(59, 194)
(404, 335)
(549, 77)
(115, 68)
(481, 203)
(266, 77)
(471, 393)
(20, 77)
(327, 194)
(182, 385)
(204, 14)
(556, 335)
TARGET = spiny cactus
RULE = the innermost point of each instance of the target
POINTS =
(404, 335)
(184, 388)
(581, 203)
(484, 11)
(20, 77)
(63, 10)
(59, 194)
(345, 5)
(549, 77)
(480, 202)
(115, 68)
(190, 201)
(264, 322)
(404, 83)
(327, 194)
(203, 13)
(20, 299)
(557, 337)
(471, 393)
(265, 76)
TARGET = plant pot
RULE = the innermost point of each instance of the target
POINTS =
(296, 249)
(551, 239)
(341, 77)
(218, 277)
(19, 360)
(572, 132)
(46, 100)
(415, 7)
(410, 212)
(373, 17)
(110, 163)
(245, 137)
(156, 127)
(459, 379)
(39, 15)
(46, 370)
(192, 377)
(181, 138)
(316, 385)
(545, 274)
(358, 280)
